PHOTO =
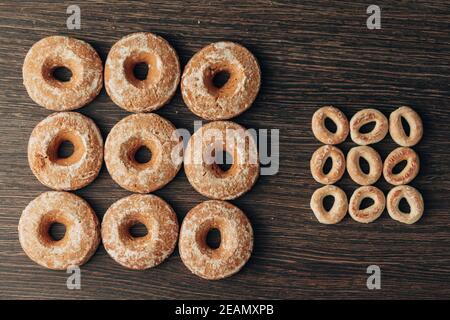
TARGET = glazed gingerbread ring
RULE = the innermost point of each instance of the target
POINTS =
(364, 117)
(337, 211)
(319, 159)
(354, 169)
(211, 102)
(414, 199)
(80, 240)
(129, 135)
(202, 170)
(408, 173)
(236, 243)
(161, 82)
(371, 213)
(320, 130)
(54, 52)
(398, 132)
(144, 252)
(75, 171)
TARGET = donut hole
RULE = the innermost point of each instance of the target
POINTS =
(221, 78)
(399, 167)
(56, 231)
(61, 74)
(328, 165)
(213, 238)
(364, 165)
(141, 69)
(142, 155)
(328, 202)
(367, 127)
(223, 160)
(65, 149)
(405, 126)
(404, 206)
(366, 202)
(137, 230)
(330, 125)
(138, 153)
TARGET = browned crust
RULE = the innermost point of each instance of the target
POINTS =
(318, 160)
(339, 209)
(207, 178)
(320, 130)
(141, 252)
(82, 235)
(158, 88)
(150, 130)
(371, 213)
(354, 169)
(408, 173)
(76, 171)
(366, 116)
(57, 51)
(236, 240)
(398, 132)
(415, 202)
(236, 96)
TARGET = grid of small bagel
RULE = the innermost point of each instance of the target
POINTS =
(138, 130)
(400, 180)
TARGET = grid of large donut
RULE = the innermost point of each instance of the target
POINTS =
(202, 96)
(376, 166)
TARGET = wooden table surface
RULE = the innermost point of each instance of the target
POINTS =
(312, 53)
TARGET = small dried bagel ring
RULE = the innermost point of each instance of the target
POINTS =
(236, 235)
(408, 173)
(415, 201)
(80, 240)
(320, 130)
(144, 252)
(354, 169)
(337, 211)
(371, 213)
(54, 52)
(398, 132)
(364, 117)
(318, 160)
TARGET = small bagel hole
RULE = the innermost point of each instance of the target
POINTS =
(330, 125)
(328, 202)
(223, 160)
(220, 78)
(366, 203)
(65, 149)
(57, 231)
(140, 71)
(399, 167)
(405, 126)
(404, 206)
(142, 155)
(364, 165)
(368, 127)
(328, 165)
(62, 74)
(213, 238)
(138, 230)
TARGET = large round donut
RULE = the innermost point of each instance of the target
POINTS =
(319, 159)
(398, 132)
(203, 172)
(236, 243)
(364, 117)
(320, 130)
(211, 102)
(75, 171)
(127, 137)
(408, 173)
(414, 199)
(373, 159)
(151, 93)
(54, 52)
(337, 211)
(140, 252)
(80, 240)
(371, 213)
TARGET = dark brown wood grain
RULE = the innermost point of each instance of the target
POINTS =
(312, 53)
